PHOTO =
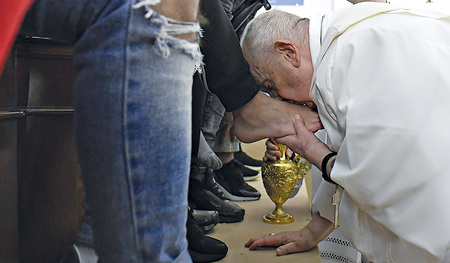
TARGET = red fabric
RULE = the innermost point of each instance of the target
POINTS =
(12, 13)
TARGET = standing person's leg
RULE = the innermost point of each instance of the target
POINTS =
(153, 125)
(133, 122)
(212, 116)
(230, 177)
(204, 193)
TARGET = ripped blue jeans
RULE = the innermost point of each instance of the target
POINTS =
(133, 121)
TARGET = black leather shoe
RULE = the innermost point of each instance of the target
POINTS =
(203, 248)
(203, 199)
(205, 219)
(211, 184)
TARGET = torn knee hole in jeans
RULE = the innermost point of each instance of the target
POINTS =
(172, 34)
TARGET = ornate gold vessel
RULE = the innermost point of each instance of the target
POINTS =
(280, 178)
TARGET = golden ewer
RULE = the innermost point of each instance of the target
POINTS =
(280, 178)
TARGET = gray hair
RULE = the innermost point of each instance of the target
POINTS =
(262, 32)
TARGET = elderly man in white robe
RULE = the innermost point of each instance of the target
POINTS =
(378, 75)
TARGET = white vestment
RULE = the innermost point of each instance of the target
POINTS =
(382, 87)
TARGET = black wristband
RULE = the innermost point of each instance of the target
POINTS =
(325, 160)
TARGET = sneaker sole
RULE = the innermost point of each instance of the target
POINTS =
(256, 168)
(230, 219)
(251, 178)
(232, 197)
(200, 257)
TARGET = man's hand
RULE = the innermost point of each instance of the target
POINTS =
(305, 143)
(295, 241)
(286, 242)
(264, 117)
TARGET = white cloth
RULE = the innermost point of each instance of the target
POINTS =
(382, 88)
(336, 249)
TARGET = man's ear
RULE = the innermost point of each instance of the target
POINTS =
(288, 50)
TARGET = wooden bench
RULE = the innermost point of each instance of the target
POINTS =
(40, 185)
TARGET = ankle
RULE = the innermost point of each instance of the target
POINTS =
(225, 157)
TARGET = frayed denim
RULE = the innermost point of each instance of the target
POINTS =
(132, 118)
